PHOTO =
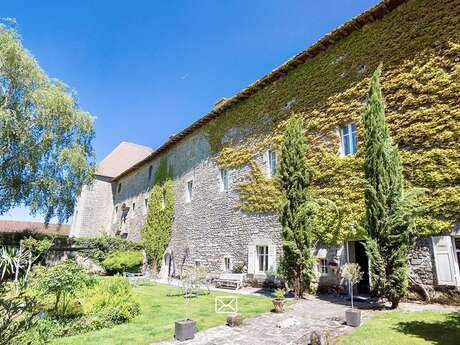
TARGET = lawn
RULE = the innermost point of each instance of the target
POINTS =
(407, 328)
(158, 313)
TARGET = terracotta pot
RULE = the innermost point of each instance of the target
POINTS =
(353, 317)
(279, 305)
(185, 329)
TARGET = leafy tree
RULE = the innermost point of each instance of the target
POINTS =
(390, 211)
(298, 211)
(62, 280)
(45, 139)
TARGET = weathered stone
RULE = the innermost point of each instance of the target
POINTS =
(234, 320)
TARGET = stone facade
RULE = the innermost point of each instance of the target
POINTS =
(210, 229)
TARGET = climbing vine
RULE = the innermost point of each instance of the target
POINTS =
(156, 232)
(419, 45)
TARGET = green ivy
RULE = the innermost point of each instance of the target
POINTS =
(156, 232)
(419, 45)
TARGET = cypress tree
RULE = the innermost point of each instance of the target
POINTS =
(390, 212)
(297, 211)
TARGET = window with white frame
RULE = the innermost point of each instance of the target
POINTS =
(349, 138)
(262, 258)
(227, 267)
(189, 193)
(322, 266)
(272, 160)
(223, 180)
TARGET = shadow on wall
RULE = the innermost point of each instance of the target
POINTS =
(438, 333)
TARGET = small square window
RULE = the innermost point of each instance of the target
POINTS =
(189, 191)
(223, 180)
(323, 267)
(349, 139)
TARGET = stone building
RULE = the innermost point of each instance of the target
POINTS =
(223, 164)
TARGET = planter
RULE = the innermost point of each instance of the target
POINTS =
(353, 317)
(185, 329)
(279, 305)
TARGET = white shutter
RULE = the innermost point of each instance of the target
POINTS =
(251, 259)
(444, 260)
(272, 258)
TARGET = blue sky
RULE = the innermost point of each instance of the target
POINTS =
(147, 69)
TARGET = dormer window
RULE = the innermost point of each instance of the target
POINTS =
(349, 139)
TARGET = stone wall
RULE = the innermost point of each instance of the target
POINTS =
(421, 262)
(93, 209)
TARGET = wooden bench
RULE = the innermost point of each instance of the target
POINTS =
(230, 280)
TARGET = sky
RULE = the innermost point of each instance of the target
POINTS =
(147, 69)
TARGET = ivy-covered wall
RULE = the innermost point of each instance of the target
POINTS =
(419, 45)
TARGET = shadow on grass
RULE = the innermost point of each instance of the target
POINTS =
(445, 332)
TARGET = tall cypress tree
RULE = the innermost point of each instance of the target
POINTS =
(390, 212)
(297, 212)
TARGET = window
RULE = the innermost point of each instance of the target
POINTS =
(349, 137)
(146, 205)
(197, 263)
(271, 163)
(223, 180)
(322, 266)
(150, 172)
(119, 188)
(227, 267)
(262, 258)
(134, 207)
(189, 190)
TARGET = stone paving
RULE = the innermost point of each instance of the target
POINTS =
(323, 314)
(296, 323)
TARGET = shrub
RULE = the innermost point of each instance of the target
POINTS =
(110, 302)
(127, 261)
(99, 248)
(62, 281)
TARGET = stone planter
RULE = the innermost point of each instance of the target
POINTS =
(185, 329)
(278, 304)
(353, 317)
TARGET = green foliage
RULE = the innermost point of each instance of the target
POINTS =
(120, 262)
(156, 232)
(17, 312)
(163, 173)
(111, 302)
(62, 281)
(99, 248)
(390, 212)
(46, 153)
(419, 43)
(297, 212)
(279, 294)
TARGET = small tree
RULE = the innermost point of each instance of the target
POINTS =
(297, 211)
(62, 280)
(390, 211)
(352, 273)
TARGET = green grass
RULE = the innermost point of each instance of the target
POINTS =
(407, 328)
(158, 313)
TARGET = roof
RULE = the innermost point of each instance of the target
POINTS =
(356, 23)
(17, 226)
(124, 156)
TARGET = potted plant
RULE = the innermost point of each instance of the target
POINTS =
(185, 329)
(352, 273)
(278, 300)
